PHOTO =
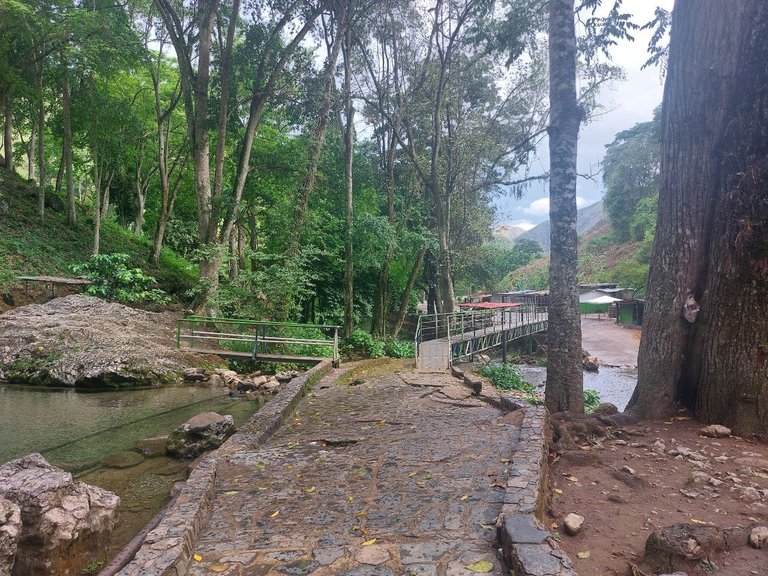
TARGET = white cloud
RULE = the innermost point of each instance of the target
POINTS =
(524, 224)
(540, 207)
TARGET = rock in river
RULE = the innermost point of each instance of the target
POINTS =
(64, 522)
(87, 342)
(10, 530)
(199, 434)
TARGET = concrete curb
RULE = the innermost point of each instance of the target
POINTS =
(527, 545)
(168, 549)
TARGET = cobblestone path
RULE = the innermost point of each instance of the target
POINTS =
(399, 475)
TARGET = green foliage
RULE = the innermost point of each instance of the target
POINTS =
(111, 279)
(506, 377)
(591, 400)
(399, 349)
(361, 344)
(631, 274)
(632, 168)
(486, 266)
(92, 568)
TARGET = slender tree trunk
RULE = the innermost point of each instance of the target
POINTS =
(349, 139)
(234, 263)
(59, 174)
(564, 389)
(105, 203)
(381, 300)
(712, 230)
(67, 147)
(41, 143)
(403, 311)
(316, 147)
(96, 205)
(8, 133)
(31, 154)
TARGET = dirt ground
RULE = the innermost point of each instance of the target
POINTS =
(645, 477)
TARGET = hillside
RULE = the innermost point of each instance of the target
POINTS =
(586, 219)
(600, 260)
(31, 247)
(507, 231)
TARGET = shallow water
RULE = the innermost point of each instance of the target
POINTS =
(615, 385)
(75, 430)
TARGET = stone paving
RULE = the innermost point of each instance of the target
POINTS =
(399, 475)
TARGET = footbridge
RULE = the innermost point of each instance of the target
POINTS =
(442, 339)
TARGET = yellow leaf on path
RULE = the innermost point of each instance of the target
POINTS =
(274, 514)
(231, 492)
(573, 478)
(463, 497)
(197, 557)
(421, 484)
(584, 555)
(557, 491)
(481, 567)
(368, 542)
(218, 568)
(262, 487)
(412, 474)
(699, 521)
(310, 489)
(349, 499)
(487, 527)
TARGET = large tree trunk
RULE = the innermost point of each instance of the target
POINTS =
(564, 389)
(349, 139)
(712, 230)
(67, 147)
(381, 300)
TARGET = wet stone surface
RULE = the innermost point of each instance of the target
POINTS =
(424, 477)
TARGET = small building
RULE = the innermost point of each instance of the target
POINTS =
(630, 312)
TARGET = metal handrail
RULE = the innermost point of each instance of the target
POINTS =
(256, 332)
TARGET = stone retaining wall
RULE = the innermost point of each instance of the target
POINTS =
(527, 545)
(168, 549)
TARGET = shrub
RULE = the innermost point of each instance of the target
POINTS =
(506, 377)
(111, 279)
(399, 349)
(361, 343)
(591, 400)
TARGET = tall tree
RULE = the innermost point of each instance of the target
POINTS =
(564, 390)
(712, 231)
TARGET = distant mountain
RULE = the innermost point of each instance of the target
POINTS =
(507, 231)
(586, 219)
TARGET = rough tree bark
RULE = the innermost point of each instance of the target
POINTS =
(564, 389)
(712, 230)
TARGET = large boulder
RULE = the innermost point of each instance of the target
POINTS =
(199, 434)
(64, 522)
(10, 530)
(88, 342)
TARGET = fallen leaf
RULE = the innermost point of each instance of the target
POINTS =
(421, 484)
(292, 444)
(487, 527)
(218, 568)
(274, 514)
(682, 417)
(464, 497)
(412, 474)
(584, 555)
(349, 499)
(310, 489)
(197, 557)
(368, 542)
(557, 491)
(262, 488)
(231, 492)
(506, 461)
(760, 474)
(362, 513)
(481, 567)
(572, 478)
(700, 522)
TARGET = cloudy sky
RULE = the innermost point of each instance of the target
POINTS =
(626, 103)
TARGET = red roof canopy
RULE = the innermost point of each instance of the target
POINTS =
(489, 305)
